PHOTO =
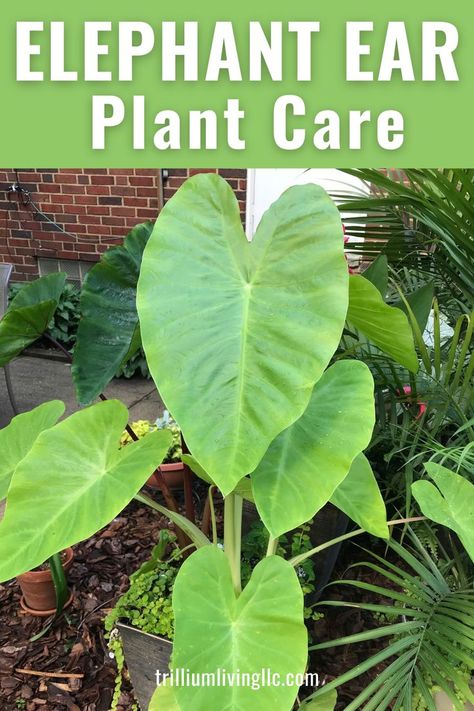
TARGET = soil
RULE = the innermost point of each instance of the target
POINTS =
(341, 621)
(76, 644)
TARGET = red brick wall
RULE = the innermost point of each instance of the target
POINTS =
(236, 178)
(96, 206)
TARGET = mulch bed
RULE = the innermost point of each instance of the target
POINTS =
(344, 621)
(76, 644)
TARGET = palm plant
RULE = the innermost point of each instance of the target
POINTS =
(424, 415)
(422, 219)
(430, 626)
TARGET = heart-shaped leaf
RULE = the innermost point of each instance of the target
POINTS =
(108, 330)
(164, 699)
(358, 495)
(261, 629)
(29, 314)
(243, 487)
(450, 502)
(17, 438)
(377, 274)
(386, 326)
(306, 463)
(420, 303)
(73, 481)
(241, 331)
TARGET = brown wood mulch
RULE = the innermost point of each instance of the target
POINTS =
(76, 645)
(76, 650)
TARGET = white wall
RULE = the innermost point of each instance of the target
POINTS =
(264, 186)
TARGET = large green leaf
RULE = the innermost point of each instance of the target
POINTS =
(164, 699)
(108, 330)
(243, 488)
(261, 629)
(306, 463)
(386, 326)
(240, 330)
(420, 302)
(358, 495)
(29, 314)
(73, 481)
(17, 438)
(450, 502)
(377, 273)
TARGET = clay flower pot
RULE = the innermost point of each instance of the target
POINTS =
(173, 474)
(39, 595)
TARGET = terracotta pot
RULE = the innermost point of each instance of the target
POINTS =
(145, 654)
(39, 595)
(173, 474)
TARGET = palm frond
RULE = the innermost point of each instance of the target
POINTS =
(432, 643)
(421, 219)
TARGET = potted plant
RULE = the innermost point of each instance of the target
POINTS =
(140, 626)
(172, 467)
(245, 332)
(39, 587)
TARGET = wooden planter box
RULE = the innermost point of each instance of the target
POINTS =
(145, 654)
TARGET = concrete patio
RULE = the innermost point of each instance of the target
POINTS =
(36, 380)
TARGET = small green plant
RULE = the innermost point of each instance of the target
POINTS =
(429, 613)
(146, 604)
(135, 364)
(20, 703)
(166, 422)
(65, 320)
(254, 546)
(175, 452)
(64, 324)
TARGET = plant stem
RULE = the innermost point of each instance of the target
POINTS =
(297, 560)
(59, 581)
(231, 547)
(272, 546)
(212, 514)
(58, 345)
(238, 504)
(69, 357)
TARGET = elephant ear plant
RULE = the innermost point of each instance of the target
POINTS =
(239, 337)
(63, 482)
(28, 315)
(243, 334)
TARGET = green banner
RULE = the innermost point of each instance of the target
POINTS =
(248, 84)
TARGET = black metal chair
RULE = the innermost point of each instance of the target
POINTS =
(5, 273)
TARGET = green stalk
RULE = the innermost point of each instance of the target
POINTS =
(272, 546)
(238, 504)
(231, 547)
(213, 514)
(297, 560)
(59, 581)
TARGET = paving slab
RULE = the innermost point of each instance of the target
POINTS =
(36, 380)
